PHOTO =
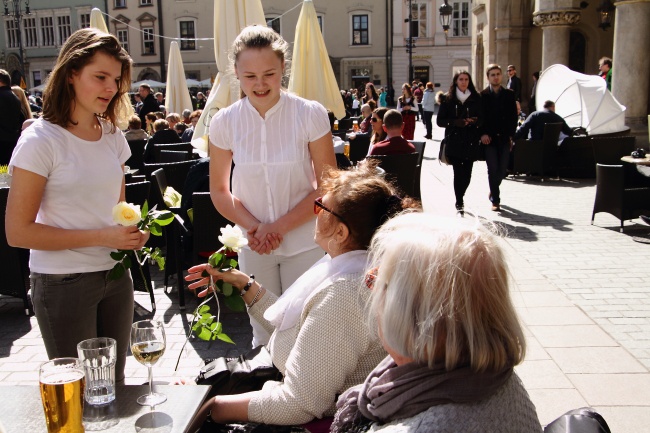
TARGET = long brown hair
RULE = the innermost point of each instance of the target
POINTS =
(376, 138)
(409, 92)
(75, 54)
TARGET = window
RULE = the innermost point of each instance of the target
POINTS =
(30, 32)
(419, 20)
(360, 30)
(123, 37)
(47, 31)
(84, 20)
(120, 4)
(36, 78)
(460, 19)
(188, 34)
(12, 33)
(148, 39)
(320, 22)
(274, 23)
(63, 26)
(146, 2)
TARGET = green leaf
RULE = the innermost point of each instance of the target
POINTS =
(232, 263)
(205, 334)
(219, 285)
(145, 209)
(235, 303)
(204, 309)
(155, 229)
(224, 337)
(206, 318)
(227, 289)
(164, 219)
(116, 272)
(215, 259)
(160, 261)
(216, 327)
(127, 261)
(118, 255)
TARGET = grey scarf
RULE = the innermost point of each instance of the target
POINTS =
(393, 392)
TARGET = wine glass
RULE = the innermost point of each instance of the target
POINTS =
(148, 345)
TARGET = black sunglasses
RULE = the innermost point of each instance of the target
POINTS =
(318, 206)
(374, 119)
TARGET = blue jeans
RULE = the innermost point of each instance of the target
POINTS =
(497, 155)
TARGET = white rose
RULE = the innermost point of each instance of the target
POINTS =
(233, 238)
(126, 214)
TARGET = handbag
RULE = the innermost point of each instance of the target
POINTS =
(248, 372)
(442, 155)
(583, 420)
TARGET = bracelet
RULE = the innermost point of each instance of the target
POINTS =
(257, 295)
(248, 285)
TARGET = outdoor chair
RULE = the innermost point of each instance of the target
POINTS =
(175, 172)
(345, 124)
(15, 263)
(609, 150)
(173, 156)
(618, 198)
(206, 224)
(137, 192)
(136, 160)
(400, 170)
(538, 157)
(180, 147)
(359, 148)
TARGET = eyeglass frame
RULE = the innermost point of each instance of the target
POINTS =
(375, 119)
(318, 206)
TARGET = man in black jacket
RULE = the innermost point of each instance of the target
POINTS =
(536, 121)
(499, 125)
(11, 118)
(149, 103)
(514, 82)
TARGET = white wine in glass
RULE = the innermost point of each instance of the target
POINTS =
(148, 345)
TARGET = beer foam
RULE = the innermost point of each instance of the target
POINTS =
(60, 377)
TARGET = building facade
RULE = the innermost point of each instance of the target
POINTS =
(533, 35)
(41, 34)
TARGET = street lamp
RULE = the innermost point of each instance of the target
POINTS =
(410, 44)
(605, 10)
(445, 15)
(17, 15)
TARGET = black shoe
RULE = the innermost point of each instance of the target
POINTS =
(428, 137)
(460, 210)
(645, 219)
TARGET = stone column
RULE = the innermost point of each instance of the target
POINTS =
(556, 24)
(631, 61)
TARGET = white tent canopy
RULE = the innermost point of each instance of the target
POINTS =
(582, 100)
(152, 83)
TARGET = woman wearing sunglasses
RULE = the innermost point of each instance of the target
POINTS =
(318, 342)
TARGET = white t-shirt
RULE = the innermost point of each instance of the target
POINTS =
(84, 179)
(273, 167)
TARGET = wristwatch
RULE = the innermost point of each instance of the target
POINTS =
(251, 280)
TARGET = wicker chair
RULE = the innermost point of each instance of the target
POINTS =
(359, 148)
(173, 156)
(175, 172)
(419, 148)
(206, 222)
(179, 147)
(15, 264)
(400, 170)
(136, 160)
(538, 156)
(609, 150)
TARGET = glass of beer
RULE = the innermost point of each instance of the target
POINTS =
(62, 392)
(148, 345)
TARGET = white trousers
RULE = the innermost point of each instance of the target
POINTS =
(276, 273)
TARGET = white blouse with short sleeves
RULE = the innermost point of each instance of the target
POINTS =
(273, 167)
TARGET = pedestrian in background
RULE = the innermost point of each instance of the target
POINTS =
(428, 108)
(408, 106)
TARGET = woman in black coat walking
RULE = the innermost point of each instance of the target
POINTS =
(460, 114)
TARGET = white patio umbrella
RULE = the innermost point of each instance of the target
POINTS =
(124, 114)
(177, 97)
(230, 17)
(191, 82)
(152, 83)
(97, 20)
(312, 76)
(582, 100)
(206, 83)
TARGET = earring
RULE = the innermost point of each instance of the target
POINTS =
(329, 247)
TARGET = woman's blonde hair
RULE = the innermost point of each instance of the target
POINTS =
(77, 51)
(441, 294)
(259, 37)
(24, 103)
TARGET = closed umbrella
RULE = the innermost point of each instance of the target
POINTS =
(177, 97)
(125, 113)
(230, 18)
(312, 76)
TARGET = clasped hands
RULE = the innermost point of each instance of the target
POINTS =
(263, 238)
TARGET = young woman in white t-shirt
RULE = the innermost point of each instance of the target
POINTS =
(280, 144)
(68, 173)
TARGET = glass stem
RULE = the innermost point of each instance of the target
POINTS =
(150, 381)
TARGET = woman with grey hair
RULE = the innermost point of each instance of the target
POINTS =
(441, 306)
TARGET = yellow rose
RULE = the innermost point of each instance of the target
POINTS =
(126, 214)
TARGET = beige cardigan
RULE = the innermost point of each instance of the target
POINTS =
(328, 351)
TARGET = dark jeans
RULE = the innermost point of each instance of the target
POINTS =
(427, 121)
(497, 155)
(74, 307)
(462, 178)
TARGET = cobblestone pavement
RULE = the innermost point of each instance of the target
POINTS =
(582, 292)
